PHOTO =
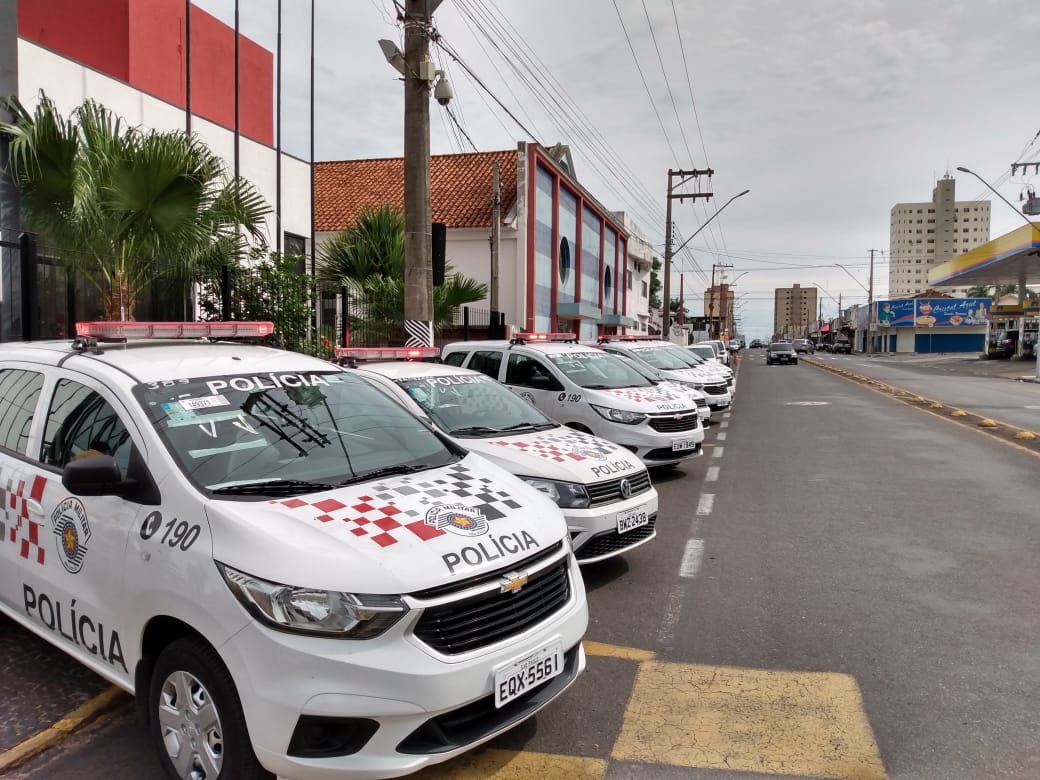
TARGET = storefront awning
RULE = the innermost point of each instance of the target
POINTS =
(1004, 260)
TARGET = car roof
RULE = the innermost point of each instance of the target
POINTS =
(159, 360)
(547, 347)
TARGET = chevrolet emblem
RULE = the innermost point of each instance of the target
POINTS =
(512, 584)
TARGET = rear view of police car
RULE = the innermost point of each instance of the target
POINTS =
(589, 390)
(602, 488)
(289, 570)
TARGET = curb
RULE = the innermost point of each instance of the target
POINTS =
(58, 732)
(1009, 434)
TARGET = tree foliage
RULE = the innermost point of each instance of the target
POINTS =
(125, 205)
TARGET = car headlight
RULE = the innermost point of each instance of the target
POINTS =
(312, 610)
(568, 495)
(619, 415)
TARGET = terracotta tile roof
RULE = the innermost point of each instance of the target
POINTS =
(460, 188)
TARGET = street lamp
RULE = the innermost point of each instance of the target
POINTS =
(705, 223)
(1029, 222)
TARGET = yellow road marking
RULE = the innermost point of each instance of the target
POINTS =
(59, 731)
(775, 722)
(511, 765)
(617, 651)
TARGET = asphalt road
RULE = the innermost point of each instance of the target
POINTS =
(843, 586)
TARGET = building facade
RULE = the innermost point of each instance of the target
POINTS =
(137, 58)
(924, 235)
(718, 310)
(794, 312)
(566, 262)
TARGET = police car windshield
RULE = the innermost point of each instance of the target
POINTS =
(598, 371)
(321, 428)
(665, 358)
(473, 405)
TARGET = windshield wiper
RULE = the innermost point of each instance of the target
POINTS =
(385, 472)
(529, 426)
(277, 487)
(474, 430)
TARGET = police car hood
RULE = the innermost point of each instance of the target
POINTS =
(654, 398)
(561, 454)
(391, 536)
(699, 375)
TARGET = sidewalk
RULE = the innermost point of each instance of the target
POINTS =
(967, 364)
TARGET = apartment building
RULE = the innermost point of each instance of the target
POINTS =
(794, 311)
(924, 235)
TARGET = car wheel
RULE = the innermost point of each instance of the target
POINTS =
(195, 717)
(794, 362)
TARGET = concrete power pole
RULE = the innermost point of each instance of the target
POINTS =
(870, 305)
(666, 283)
(10, 211)
(496, 231)
(418, 264)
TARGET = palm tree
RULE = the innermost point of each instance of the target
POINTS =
(123, 205)
(368, 259)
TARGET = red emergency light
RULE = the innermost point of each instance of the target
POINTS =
(173, 330)
(546, 337)
(386, 353)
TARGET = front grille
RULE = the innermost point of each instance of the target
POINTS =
(609, 492)
(675, 423)
(702, 402)
(719, 389)
(473, 722)
(613, 542)
(485, 619)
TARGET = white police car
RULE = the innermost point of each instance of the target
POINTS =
(290, 571)
(688, 389)
(589, 390)
(673, 362)
(603, 489)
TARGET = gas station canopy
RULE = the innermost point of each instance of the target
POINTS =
(1008, 259)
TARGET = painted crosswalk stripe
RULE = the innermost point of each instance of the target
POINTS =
(705, 504)
(712, 475)
(691, 560)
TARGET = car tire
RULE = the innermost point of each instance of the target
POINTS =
(794, 362)
(189, 681)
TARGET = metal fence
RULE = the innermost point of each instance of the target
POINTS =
(309, 316)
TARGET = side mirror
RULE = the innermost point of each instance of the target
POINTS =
(95, 476)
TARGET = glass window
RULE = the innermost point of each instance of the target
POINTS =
(598, 370)
(524, 371)
(80, 424)
(568, 234)
(19, 392)
(455, 358)
(486, 363)
(543, 249)
(473, 405)
(240, 435)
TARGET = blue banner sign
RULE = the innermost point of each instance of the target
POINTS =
(896, 314)
(933, 312)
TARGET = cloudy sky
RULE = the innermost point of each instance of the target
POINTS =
(828, 111)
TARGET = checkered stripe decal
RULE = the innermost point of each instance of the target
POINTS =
(16, 527)
(383, 513)
(562, 446)
(640, 395)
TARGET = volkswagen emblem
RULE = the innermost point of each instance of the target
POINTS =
(626, 488)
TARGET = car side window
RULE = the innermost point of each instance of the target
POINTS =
(81, 424)
(19, 393)
(455, 359)
(486, 362)
(524, 371)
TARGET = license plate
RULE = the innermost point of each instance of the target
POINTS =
(529, 672)
(633, 518)
(683, 444)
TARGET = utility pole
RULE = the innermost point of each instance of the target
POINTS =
(10, 205)
(418, 265)
(496, 225)
(870, 304)
(683, 178)
(713, 330)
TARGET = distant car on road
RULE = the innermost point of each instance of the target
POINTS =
(781, 352)
(756, 344)
(842, 346)
(804, 346)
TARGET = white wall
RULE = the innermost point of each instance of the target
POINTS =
(68, 84)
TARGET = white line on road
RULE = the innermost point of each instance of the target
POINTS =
(691, 560)
(720, 437)
(724, 425)
(672, 610)
(712, 474)
(717, 452)
(725, 415)
(706, 502)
